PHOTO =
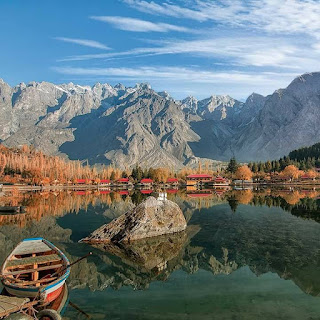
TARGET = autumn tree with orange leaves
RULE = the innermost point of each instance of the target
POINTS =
(292, 171)
(243, 173)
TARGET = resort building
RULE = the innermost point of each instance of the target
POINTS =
(146, 182)
(105, 182)
(219, 181)
(198, 179)
(172, 182)
(123, 183)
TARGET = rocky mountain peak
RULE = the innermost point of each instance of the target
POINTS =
(143, 86)
(165, 95)
(120, 87)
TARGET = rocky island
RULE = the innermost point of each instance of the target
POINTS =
(151, 218)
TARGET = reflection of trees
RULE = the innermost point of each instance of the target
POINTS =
(266, 241)
(302, 203)
(41, 204)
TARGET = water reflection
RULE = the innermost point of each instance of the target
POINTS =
(234, 234)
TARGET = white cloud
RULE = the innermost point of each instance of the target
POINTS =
(176, 73)
(241, 51)
(84, 42)
(138, 25)
(275, 16)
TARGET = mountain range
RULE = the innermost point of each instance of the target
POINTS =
(126, 126)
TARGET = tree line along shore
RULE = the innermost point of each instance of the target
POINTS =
(26, 166)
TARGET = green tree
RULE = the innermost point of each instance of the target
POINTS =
(112, 176)
(254, 167)
(268, 167)
(124, 174)
(232, 166)
(277, 166)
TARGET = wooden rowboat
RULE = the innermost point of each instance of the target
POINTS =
(35, 269)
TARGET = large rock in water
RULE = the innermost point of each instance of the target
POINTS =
(151, 218)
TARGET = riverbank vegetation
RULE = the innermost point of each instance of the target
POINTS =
(28, 166)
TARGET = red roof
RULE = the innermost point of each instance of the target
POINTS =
(124, 192)
(146, 191)
(220, 179)
(172, 190)
(81, 193)
(81, 181)
(199, 176)
(123, 180)
(146, 181)
(105, 191)
(199, 195)
(172, 180)
(105, 181)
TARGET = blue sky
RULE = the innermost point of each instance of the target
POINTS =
(190, 47)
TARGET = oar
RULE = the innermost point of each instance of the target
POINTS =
(79, 310)
(68, 266)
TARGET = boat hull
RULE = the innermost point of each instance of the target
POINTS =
(46, 295)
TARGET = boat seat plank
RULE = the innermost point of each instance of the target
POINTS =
(15, 273)
(11, 304)
(32, 260)
(32, 246)
(30, 283)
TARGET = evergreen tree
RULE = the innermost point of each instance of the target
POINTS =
(261, 167)
(232, 166)
(139, 174)
(112, 176)
(254, 167)
(268, 166)
(277, 166)
(124, 174)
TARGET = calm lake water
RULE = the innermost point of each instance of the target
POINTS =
(245, 255)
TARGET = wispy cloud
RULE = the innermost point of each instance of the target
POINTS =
(256, 51)
(84, 42)
(176, 73)
(138, 25)
(289, 16)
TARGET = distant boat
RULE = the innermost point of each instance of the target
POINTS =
(12, 210)
(35, 269)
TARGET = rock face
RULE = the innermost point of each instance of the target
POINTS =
(129, 126)
(151, 218)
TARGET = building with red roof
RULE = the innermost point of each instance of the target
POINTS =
(194, 179)
(123, 192)
(105, 181)
(123, 180)
(219, 181)
(172, 181)
(146, 181)
(200, 194)
(146, 191)
(171, 190)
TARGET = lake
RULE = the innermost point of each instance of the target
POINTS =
(246, 254)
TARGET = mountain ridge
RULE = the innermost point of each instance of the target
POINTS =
(137, 125)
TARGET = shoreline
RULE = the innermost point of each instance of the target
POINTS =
(133, 187)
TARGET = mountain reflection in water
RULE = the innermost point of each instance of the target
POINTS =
(231, 263)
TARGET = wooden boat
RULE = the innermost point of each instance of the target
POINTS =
(35, 269)
(12, 210)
